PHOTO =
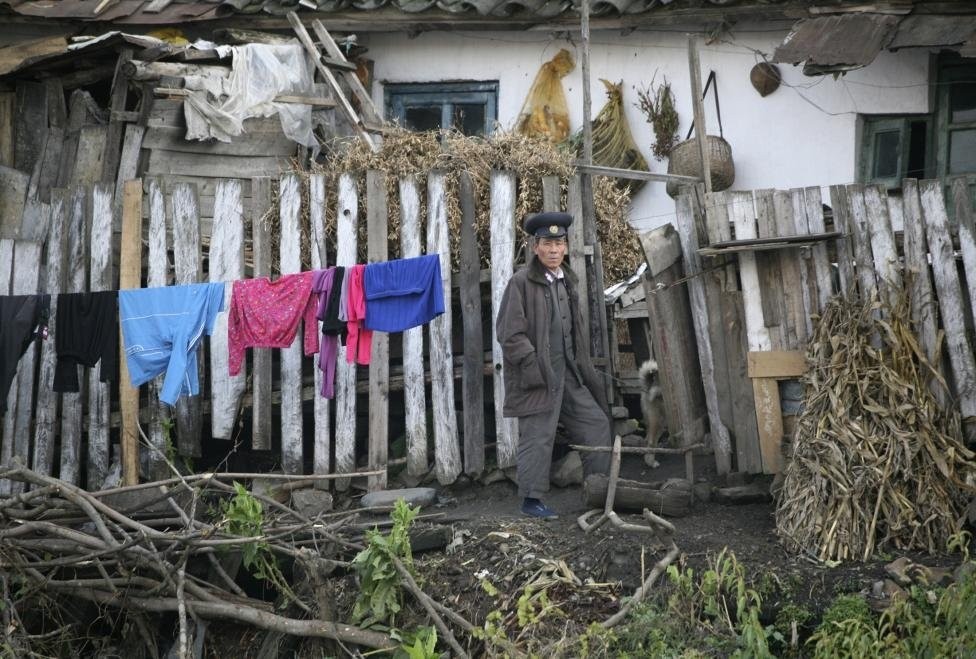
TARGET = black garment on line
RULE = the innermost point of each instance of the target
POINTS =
(331, 324)
(21, 317)
(86, 331)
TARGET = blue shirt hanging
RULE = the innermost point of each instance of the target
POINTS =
(403, 293)
(162, 329)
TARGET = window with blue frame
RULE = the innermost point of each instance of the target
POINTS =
(469, 107)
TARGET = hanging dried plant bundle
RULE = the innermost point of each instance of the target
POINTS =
(875, 462)
(613, 143)
(406, 153)
(657, 104)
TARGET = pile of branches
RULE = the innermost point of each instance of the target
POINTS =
(138, 560)
(406, 153)
(876, 462)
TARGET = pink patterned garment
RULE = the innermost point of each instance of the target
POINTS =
(359, 340)
(265, 314)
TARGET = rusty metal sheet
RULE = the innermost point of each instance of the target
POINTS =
(928, 31)
(847, 40)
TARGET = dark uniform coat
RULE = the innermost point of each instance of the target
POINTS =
(524, 317)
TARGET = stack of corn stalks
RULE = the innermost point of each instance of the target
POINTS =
(406, 153)
(876, 463)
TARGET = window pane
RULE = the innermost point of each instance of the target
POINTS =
(917, 149)
(424, 117)
(962, 102)
(962, 151)
(469, 118)
(886, 154)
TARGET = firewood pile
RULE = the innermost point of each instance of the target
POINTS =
(876, 462)
(138, 555)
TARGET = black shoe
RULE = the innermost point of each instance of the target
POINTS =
(535, 508)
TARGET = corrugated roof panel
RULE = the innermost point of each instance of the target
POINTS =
(928, 31)
(846, 40)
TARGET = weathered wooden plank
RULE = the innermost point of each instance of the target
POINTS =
(99, 393)
(882, 238)
(672, 334)
(948, 287)
(347, 221)
(473, 380)
(57, 111)
(322, 432)
(88, 158)
(113, 134)
(30, 124)
(769, 418)
(76, 276)
(187, 267)
(861, 240)
(818, 252)
(130, 271)
(577, 253)
(45, 173)
(26, 271)
(128, 162)
(702, 318)
(777, 364)
(6, 436)
(447, 452)
(48, 402)
(379, 365)
(251, 143)
(157, 274)
(550, 193)
(414, 394)
(923, 301)
(741, 213)
(808, 276)
(770, 271)
(226, 265)
(791, 267)
(205, 164)
(747, 452)
(716, 282)
(290, 254)
(261, 412)
(13, 194)
(841, 206)
(502, 221)
(7, 122)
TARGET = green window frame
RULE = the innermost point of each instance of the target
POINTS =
(894, 147)
(955, 117)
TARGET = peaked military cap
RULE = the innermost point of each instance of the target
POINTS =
(548, 225)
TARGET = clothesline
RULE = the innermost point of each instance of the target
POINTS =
(162, 327)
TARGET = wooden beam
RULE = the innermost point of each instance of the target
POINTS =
(777, 364)
(614, 172)
(701, 129)
(130, 271)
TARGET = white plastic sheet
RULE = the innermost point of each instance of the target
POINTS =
(217, 106)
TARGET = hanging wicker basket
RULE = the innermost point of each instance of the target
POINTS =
(686, 161)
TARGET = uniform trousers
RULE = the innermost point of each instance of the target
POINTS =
(585, 423)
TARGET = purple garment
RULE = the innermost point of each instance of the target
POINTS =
(329, 344)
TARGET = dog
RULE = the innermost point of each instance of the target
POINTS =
(652, 407)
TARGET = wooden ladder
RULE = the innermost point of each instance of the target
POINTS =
(370, 121)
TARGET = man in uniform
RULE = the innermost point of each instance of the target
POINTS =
(547, 369)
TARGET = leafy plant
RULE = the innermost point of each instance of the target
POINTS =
(380, 594)
(243, 516)
(419, 645)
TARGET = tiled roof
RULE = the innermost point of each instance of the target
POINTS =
(149, 12)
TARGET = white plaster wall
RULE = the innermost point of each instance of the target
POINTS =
(803, 134)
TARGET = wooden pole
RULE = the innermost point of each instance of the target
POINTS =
(599, 345)
(130, 267)
(701, 130)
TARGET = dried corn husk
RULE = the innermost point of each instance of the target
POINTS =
(875, 462)
(613, 143)
(415, 154)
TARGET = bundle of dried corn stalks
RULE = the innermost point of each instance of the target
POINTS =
(405, 153)
(875, 462)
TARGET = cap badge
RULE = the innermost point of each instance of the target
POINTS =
(553, 229)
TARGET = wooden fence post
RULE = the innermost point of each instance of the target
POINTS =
(75, 278)
(414, 390)
(473, 377)
(261, 411)
(377, 250)
(347, 220)
(188, 270)
(99, 393)
(290, 244)
(157, 275)
(322, 433)
(502, 215)
(130, 270)
(446, 450)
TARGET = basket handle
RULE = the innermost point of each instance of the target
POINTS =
(718, 110)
